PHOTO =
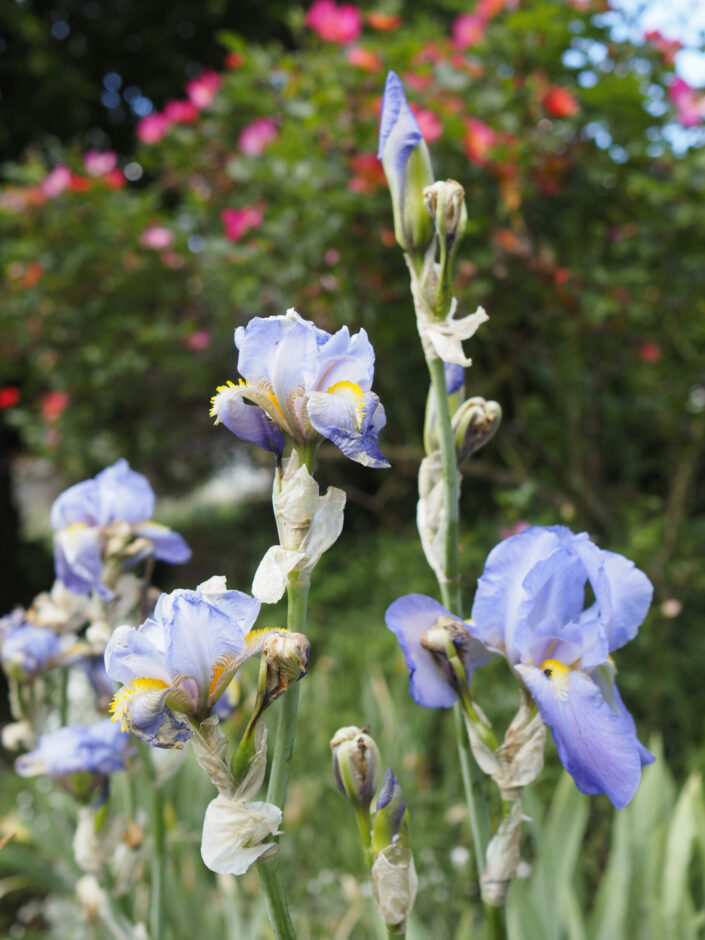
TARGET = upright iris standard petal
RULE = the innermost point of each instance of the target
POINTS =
(85, 515)
(530, 605)
(301, 381)
(409, 618)
(123, 494)
(180, 661)
(407, 165)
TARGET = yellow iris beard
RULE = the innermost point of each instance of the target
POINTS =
(559, 676)
(241, 384)
(354, 394)
(118, 706)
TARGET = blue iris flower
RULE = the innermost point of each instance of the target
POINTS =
(410, 618)
(84, 516)
(306, 383)
(407, 165)
(181, 660)
(28, 650)
(73, 752)
(530, 607)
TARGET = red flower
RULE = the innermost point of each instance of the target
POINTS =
(383, 21)
(9, 396)
(234, 60)
(479, 139)
(341, 24)
(559, 102)
(650, 353)
(364, 59)
(368, 174)
(53, 406)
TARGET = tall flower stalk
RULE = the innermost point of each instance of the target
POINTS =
(304, 384)
(428, 215)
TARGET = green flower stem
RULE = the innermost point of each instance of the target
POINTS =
(452, 599)
(279, 918)
(275, 899)
(450, 587)
(64, 699)
(158, 864)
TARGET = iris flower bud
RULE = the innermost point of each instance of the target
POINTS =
(474, 423)
(445, 202)
(286, 655)
(355, 765)
(393, 874)
(407, 165)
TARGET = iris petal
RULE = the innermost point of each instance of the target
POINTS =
(199, 638)
(246, 421)
(78, 559)
(336, 418)
(135, 654)
(409, 618)
(502, 603)
(596, 745)
(123, 494)
(168, 546)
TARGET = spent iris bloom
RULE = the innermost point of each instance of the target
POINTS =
(407, 165)
(413, 619)
(530, 607)
(79, 757)
(305, 382)
(181, 660)
(93, 517)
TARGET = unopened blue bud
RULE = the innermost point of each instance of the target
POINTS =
(407, 164)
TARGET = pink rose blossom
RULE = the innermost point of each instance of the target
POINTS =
(152, 128)
(198, 340)
(429, 125)
(181, 112)
(239, 221)
(202, 90)
(99, 162)
(57, 181)
(341, 24)
(689, 105)
(156, 237)
(468, 30)
(257, 136)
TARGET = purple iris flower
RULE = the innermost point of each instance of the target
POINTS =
(307, 383)
(118, 501)
(407, 165)
(180, 660)
(530, 606)
(96, 750)
(410, 618)
(28, 650)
